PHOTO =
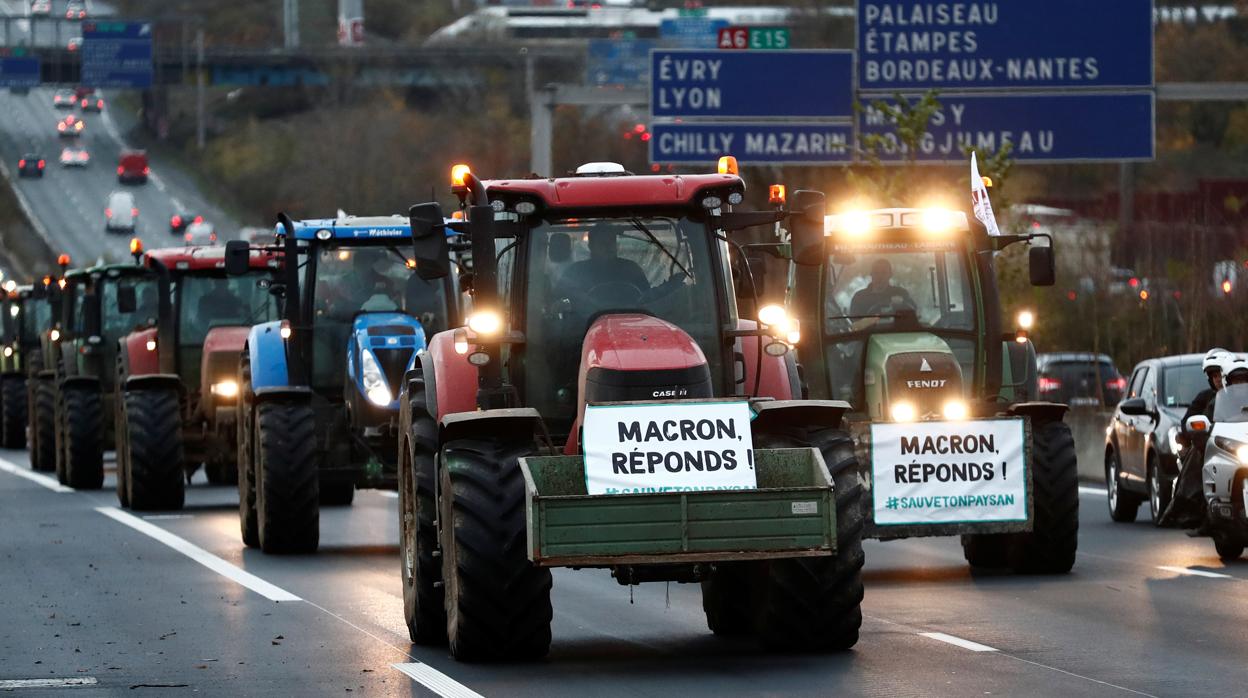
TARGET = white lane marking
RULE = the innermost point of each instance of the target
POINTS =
(37, 478)
(388, 493)
(435, 680)
(1096, 491)
(13, 684)
(1194, 573)
(964, 644)
(198, 554)
(166, 517)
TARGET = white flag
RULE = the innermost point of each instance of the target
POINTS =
(979, 199)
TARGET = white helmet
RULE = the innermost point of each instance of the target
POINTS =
(1232, 363)
(1212, 359)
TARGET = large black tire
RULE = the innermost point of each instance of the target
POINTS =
(155, 478)
(815, 603)
(287, 482)
(497, 602)
(13, 412)
(1229, 547)
(221, 472)
(249, 525)
(43, 427)
(121, 448)
(728, 598)
(1123, 505)
(81, 435)
(419, 569)
(1054, 539)
(986, 550)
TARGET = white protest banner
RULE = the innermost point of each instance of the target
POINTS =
(979, 199)
(949, 472)
(668, 447)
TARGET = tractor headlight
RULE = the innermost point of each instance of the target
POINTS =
(955, 410)
(485, 322)
(8, 351)
(773, 315)
(54, 335)
(903, 411)
(375, 387)
(227, 389)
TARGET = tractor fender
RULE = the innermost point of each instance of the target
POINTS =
(1039, 411)
(777, 414)
(423, 369)
(778, 378)
(222, 347)
(266, 353)
(153, 381)
(81, 381)
(293, 394)
(518, 422)
(455, 380)
(136, 358)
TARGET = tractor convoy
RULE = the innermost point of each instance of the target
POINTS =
(591, 371)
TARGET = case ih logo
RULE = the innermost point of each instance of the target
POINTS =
(927, 383)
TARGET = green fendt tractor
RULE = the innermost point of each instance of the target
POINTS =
(24, 313)
(900, 316)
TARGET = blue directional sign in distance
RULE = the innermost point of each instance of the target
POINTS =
(618, 61)
(921, 44)
(19, 72)
(1041, 127)
(117, 54)
(767, 84)
(751, 144)
(697, 31)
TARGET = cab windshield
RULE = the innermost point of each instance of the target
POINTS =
(218, 300)
(36, 314)
(895, 287)
(580, 269)
(115, 323)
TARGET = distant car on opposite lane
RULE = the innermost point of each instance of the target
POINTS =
(41, 8)
(76, 10)
(75, 157)
(179, 221)
(121, 213)
(1079, 379)
(70, 127)
(31, 165)
(132, 167)
(63, 99)
(1141, 443)
(91, 103)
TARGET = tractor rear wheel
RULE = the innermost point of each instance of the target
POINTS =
(728, 598)
(81, 436)
(815, 603)
(121, 448)
(1050, 547)
(497, 602)
(153, 441)
(13, 412)
(287, 482)
(245, 459)
(987, 550)
(420, 569)
(43, 426)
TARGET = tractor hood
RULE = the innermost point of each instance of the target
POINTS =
(917, 367)
(383, 346)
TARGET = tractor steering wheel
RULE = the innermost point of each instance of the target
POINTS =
(614, 293)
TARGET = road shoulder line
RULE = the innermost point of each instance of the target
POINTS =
(198, 554)
(960, 642)
(435, 680)
(37, 478)
(1195, 573)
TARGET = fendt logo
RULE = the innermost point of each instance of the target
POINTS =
(927, 383)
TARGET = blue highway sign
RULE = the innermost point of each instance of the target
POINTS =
(117, 54)
(1041, 127)
(751, 84)
(920, 44)
(618, 61)
(697, 31)
(19, 72)
(751, 144)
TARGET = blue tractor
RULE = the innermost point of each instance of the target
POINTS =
(320, 386)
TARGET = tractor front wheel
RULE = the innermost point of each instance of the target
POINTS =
(728, 598)
(43, 426)
(420, 570)
(153, 457)
(13, 412)
(497, 602)
(1051, 545)
(81, 438)
(287, 488)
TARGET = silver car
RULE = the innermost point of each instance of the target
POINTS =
(1225, 471)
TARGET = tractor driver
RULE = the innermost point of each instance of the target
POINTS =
(604, 269)
(364, 287)
(880, 296)
(219, 303)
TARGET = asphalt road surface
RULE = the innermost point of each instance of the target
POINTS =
(173, 602)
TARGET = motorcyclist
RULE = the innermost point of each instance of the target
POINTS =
(1186, 508)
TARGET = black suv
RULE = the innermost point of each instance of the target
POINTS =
(30, 165)
(1079, 379)
(1141, 444)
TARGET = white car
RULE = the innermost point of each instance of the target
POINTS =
(200, 234)
(75, 157)
(41, 8)
(121, 213)
(1225, 471)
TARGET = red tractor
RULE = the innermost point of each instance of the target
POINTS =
(598, 294)
(177, 379)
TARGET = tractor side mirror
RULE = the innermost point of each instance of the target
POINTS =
(806, 227)
(560, 250)
(1197, 424)
(1134, 407)
(1042, 265)
(237, 257)
(429, 246)
(127, 300)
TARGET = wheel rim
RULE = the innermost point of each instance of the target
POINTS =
(1243, 495)
(1112, 485)
(1154, 490)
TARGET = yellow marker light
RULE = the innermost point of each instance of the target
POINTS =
(1026, 319)
(344, 255)
(151, 345)
(728, 165)
(774, 315)
(225, 389)
(955, 410)
(458, 174)
(775, 194)
(987, 181)
(62, 283)
(63, 260)
(485, 322)
(903, 412)
(136, 246)
(411, 264)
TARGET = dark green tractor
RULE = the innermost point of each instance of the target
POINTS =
(24, 314)
(43, 310)
(899, 315)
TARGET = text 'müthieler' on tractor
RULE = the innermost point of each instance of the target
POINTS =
(178, 377)
(598, 410)
(901, 317)
(320, 386)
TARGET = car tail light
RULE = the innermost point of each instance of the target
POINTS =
(108, 213)
(1119, 384)
(147, 170)
(188, 237)
(175, 221)
(212, 237)
(83, 156)
(41, 164)
(1048, 385)
(199, 219)
(100, 104)
(84, 104)
(21, 163)
(134, 212)
(120, 169)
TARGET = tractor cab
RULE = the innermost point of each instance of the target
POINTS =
(20, 313)
(101, 305)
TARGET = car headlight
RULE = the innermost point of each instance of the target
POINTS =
(375, 387)
(1173, 437)
(227, 389)
(903, 411)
